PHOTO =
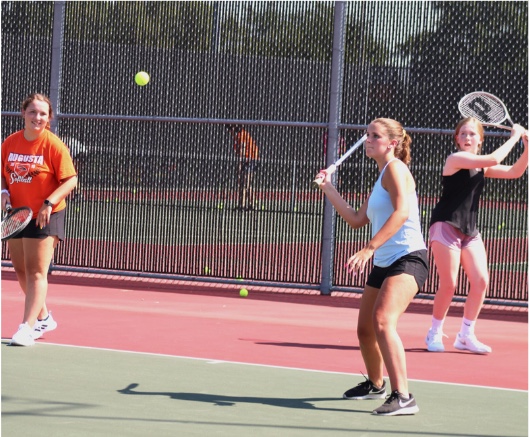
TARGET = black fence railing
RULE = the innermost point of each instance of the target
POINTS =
(158, 174)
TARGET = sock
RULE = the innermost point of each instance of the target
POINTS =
(437, 325)
(467, 328)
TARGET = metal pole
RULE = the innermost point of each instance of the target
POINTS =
(335, 104)
(55, 75)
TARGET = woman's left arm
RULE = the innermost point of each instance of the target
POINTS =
(511, 171)
(63, 190)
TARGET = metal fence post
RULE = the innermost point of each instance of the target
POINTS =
(335, 104)
(57, 50)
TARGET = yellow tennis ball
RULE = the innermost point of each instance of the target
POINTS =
(243, 292)
(141, 78)
(207, 270)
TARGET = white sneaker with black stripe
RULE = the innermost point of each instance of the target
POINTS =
(45, 325)
(24, 336)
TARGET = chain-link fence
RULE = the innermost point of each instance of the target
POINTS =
(159, 189)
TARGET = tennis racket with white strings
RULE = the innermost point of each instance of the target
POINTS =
(331, 169)
(486, 108)
(15, 220)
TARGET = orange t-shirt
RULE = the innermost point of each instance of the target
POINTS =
(245, 146)
(34, 169)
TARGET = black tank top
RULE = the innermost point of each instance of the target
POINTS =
(458, 205)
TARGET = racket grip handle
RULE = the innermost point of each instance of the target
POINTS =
(318, 180)
(321, 176)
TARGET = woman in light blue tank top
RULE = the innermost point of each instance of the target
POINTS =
(400, 264)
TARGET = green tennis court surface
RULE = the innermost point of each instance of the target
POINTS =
(71, 391)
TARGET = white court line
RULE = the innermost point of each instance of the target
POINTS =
(215, 361)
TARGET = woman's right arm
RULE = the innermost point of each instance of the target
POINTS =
(355, 219)
(5, 194)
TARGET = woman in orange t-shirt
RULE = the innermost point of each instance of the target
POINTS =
(247, 151)
(37, 171)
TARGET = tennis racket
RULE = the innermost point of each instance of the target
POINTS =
(486, 108)
(331, 169)
(15, 221)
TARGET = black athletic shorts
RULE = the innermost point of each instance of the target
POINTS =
(415, 264)
(54, 228)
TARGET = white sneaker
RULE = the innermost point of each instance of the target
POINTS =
(42, 326)
(470, 343)
(434, 341)
(24, 336)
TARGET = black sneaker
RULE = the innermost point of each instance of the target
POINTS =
(366, 390)
(397, 405)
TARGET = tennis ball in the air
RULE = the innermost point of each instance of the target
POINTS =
(141, 78)
(243, 292)
(207, 270)
(220, 205)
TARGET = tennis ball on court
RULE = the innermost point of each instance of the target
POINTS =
(141, 78)
(243, 292)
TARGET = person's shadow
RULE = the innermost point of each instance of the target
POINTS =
(229, 401)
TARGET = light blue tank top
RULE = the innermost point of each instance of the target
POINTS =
(407, 239)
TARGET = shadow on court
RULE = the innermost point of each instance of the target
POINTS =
(135, 361)
(79, 391)
(229, 401)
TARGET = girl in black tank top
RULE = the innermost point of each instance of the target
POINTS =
(454, 233)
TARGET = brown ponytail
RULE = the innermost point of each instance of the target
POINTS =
(395, 131)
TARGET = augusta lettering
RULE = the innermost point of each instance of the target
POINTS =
(33, 159)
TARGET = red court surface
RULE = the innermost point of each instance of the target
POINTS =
(275, 327)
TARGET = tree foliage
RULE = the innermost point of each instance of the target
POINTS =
(473, 35)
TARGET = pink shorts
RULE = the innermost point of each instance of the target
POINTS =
(452, 237)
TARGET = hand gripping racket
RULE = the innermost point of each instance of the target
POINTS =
(486, 108)
(331, 169)
(15, 221)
